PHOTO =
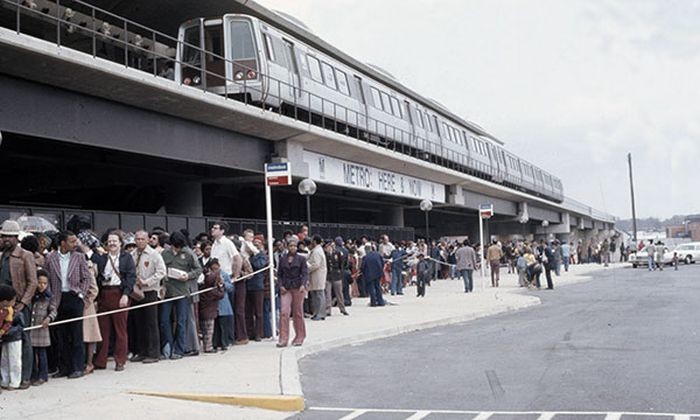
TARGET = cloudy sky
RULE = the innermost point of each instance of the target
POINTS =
(572, 86)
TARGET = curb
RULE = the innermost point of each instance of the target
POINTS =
(290, 382)
(268, 402)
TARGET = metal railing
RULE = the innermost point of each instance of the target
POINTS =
(123, 41)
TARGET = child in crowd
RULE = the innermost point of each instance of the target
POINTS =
(223, 326)
(209, 303)
(43, 312)
(11, 325)
(423, 272)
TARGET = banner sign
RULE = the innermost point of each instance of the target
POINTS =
(359, 176)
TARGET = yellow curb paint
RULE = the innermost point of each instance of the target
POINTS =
(268, 402)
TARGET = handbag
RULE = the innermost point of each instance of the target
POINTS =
(137, 294)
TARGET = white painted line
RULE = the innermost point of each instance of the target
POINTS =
(546, 416)
(419, 415)
(484, 415)
(613, 416)
(355, 414)
(681, 417)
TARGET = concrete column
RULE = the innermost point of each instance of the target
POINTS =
(185, 199)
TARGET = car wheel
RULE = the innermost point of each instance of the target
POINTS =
(688, 259)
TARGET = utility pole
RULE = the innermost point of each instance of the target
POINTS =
(634, 212)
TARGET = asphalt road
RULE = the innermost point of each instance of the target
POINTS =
(627, 341)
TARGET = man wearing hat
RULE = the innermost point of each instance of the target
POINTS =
(18, 269)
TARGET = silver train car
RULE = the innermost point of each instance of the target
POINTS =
(243, 57)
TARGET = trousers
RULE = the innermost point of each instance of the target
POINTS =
(239, 310)
(254, 313)
(147, 336)
(292, 304)
(467, 277)
(11, 364)
(69, 337)
(495, 272)
(318, 303)
(334, 287)
(108, 300)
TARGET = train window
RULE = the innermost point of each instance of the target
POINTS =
(279, 52)
(419, 118)
(430, 123)
(268, 47)
(385, 101)
(190, 53)
(444, 131)
(376, 98)
(328, 75)
(435, 124)
(396, 107)
(315, 68)
(358, 81)
(342, 79)
(242, 45)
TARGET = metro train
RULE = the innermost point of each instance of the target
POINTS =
(251, 60)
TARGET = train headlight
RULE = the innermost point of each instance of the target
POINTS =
(196, 80)
(251, 74)
(239, 75)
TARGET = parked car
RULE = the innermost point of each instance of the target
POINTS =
(689, 252)
(639, 258)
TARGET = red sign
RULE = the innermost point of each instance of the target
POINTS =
(278, 180)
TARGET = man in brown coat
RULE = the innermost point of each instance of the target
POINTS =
(18, 269)
(494, 255)
(69, 278)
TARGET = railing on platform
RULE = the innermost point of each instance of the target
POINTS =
(81, 26)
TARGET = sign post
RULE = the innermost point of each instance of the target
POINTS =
(275, 174)
(485, 212)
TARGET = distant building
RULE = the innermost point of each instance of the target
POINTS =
(689, 229)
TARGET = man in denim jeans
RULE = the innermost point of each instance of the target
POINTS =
(466, 264)
(651, 251)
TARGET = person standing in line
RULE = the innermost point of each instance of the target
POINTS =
(549, 261)
(605, 253)
(566, 255)
(69, 277)
(255, 289)
(11, 325)
(651, 253)
(494, 255)
(293, 276)
(181, 266)
(318, 271)
(466, 264)
(334, 284)
(231, 262)
(116, 275)
(556, 250)
(150, 271)
(209, 303)
(660, 255)
(43, 313)
(18, 270)
(372, 270)
(423, 274)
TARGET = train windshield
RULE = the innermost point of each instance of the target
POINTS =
(242, 50)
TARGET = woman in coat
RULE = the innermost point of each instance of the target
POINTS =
(293, 278)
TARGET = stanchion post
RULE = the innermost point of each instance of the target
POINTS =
(481, 251)
(271, 260)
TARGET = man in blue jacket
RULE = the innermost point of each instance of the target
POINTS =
(373, 270)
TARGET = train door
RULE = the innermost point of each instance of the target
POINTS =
(188, 68)
(241, 53)
(294, 80)
(362, 117)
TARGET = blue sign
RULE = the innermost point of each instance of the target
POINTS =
(277, 167)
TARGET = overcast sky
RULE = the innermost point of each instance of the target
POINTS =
(572, 86)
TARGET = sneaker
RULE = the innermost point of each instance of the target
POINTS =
(149, 360)
(25, 385)
(137, 358)
(75, 375)
(176, 356)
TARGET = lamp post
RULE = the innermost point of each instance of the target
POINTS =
(307, 188)
(427, 205)
(545, 223)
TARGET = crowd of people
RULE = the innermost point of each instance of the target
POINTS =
(71, 300)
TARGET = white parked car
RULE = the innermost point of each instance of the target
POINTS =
(689, 252)
(639, 258)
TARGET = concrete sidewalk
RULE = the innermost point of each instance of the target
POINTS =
(261, 368)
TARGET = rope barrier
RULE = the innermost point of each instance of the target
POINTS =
(129, 308)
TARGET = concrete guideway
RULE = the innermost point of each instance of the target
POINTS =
(259, 374)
